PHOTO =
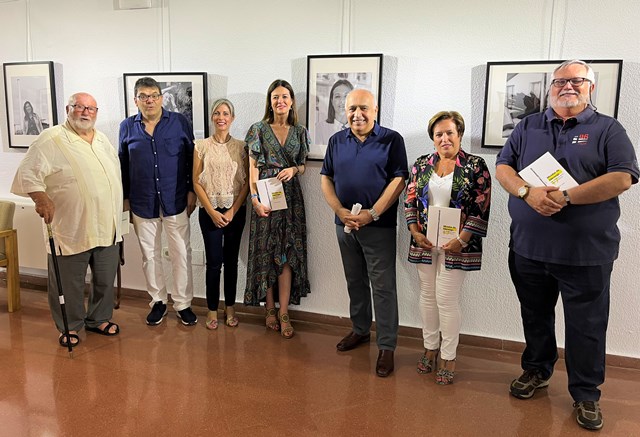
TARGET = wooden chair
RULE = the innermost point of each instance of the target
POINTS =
(9, 253)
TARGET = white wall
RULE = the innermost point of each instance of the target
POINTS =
(435, 57)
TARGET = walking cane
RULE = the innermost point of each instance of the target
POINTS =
(56, 269)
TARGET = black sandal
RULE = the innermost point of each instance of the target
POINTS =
(106, 331)
(63, 340)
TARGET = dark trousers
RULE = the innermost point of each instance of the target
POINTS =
(369, 260)
(221, 246)
(585, 299)
(103, 262)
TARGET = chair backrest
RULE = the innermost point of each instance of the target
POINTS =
(7, 209)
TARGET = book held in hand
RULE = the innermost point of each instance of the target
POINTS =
(546, 171)
(443, 225)
(271, 193)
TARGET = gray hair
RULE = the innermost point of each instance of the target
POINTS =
(74, 97)
(591, 76)
(221, 102)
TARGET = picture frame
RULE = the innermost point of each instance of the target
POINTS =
(331, 77)
(517, 89)
(185, 93)
(30, 96)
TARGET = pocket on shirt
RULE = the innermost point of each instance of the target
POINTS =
(173, 146)
(61, 178)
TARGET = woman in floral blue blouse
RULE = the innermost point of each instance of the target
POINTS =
(450, 177)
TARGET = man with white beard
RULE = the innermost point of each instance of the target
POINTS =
(72, 173)
(564, 242)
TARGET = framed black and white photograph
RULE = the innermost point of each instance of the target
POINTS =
(31, 100)
(185, 93)
(329, 79)
(517, 89)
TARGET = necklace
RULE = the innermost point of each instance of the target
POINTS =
(216, 140)
(444, 167)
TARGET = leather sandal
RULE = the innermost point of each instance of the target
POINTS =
(62, 339)
(212, 320)
(273, 323)
(426, 365)
(231, 320)
(287, 332)
(445, 376)
(105, 331)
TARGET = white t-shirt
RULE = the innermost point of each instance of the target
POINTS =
(440, 189)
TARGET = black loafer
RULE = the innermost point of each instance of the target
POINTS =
(384, 365)
(352, 340)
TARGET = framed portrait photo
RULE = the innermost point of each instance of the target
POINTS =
(329, 79)
(185, 93)
(30, 94)
(517, 89)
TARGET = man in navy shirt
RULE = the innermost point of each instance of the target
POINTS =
(367, 164)
(564, 242)
(156, 155)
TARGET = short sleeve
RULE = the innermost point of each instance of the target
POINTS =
(621, 156)
(511, 150)
(327, 162)
(398, 165)
(254, 144)
(32, 171)
(199, 148)
(305, 141)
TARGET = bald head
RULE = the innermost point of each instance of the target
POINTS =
(361, 112)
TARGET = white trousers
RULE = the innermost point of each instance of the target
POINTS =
(440, 305)
(178, 233)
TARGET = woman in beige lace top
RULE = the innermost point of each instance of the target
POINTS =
(220, 180)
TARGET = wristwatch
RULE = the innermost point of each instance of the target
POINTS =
(523, 191)
(374, 215)
(566, 197)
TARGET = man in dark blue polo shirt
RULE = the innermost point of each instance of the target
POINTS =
(565, 242)
(367, 164)
(156, 155)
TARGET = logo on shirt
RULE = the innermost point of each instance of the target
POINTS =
(580, 139)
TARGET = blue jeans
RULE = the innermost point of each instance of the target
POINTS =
(585, 299)
(221, 246)
(369, 257)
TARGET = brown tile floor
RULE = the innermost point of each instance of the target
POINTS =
(175, 380)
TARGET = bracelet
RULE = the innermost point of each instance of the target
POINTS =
(253, 196)
(463, 243)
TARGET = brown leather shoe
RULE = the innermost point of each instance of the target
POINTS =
(384, 365)
(351, 341)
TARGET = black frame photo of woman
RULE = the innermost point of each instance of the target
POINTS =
(329, 79)
(31, 100)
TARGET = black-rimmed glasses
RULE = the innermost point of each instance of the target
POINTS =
(81, 108)
(575, 81)
(145, 97)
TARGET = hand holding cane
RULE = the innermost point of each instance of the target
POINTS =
(56, 270)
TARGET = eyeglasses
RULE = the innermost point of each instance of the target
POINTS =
(145, 97)
(575, 81)
(81, 108)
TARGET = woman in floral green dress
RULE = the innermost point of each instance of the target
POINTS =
(278, 147)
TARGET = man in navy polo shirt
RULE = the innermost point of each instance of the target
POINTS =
(367, 164)
(156, 155)
(565, 242)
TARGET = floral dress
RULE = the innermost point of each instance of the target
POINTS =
(282, 236)
(471, 193)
